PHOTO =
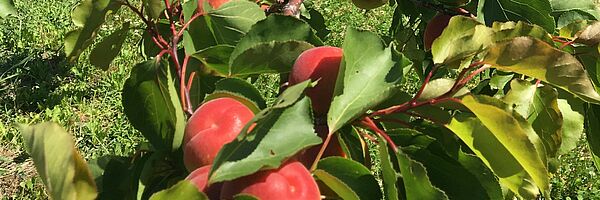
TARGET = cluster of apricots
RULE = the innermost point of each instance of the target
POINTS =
(219, 121)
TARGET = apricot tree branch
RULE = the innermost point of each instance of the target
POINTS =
(413, 103)
(368, 122)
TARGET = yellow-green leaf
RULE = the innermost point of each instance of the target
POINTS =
(504, 141)
(535, 58)
(62, 169)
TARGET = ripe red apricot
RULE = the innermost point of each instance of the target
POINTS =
(199, 178)
(434, 29)
(292, 181)
(318, 63)
(333, 149)
(212, 125)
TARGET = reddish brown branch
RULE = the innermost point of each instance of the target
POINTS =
(367, 122)
(182, 84)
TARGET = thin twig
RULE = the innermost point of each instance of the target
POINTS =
(367, 122)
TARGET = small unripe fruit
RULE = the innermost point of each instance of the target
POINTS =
(319, 63)
(292, 181)
(333, 148)
(212, 125)
(434, 29)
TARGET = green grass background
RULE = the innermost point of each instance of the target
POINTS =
(38, 84)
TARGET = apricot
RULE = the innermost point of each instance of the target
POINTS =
(199, 178)
(369, 4)
(333, 148)
(292, 181)
(434, 29)
(212, 125)
(319, 63)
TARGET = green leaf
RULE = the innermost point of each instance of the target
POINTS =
(438, 87)
(317, 22)
(509, 30)
(570, 31)
(7, 7)
(538, 59)
(279, 134)
(500, 79)
(268, 57)
(459, 180)
(152, 106)
(388, 173)
(447, 174)
(160, 171)
(61, 167)
(462, 37)
(240, 90)
(272, 46)
(106, 51)
(359, 85)
(88, 16)
(337, 185)
(416, 181)
(202, 84)
(504, 141)
(276, 28)
(573, 16)
(182, 190)
(353, 145)
(119, 176)
(154, 8)
(539, 106)
(587, 6)
(531, 11)
(592, 117)
(226, 25)
(244, 197)
(148, 47)
(215, 58)
(572, 127)
(349, 179)
(482, 173)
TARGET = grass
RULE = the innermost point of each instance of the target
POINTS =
(38, 84)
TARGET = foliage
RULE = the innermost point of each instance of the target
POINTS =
(495, 127)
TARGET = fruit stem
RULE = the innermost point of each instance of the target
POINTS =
(425, 82)
(182, 85)
(321, 151)
(185, 26)
(171, 48)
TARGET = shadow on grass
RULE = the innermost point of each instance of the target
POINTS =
(28, 81)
